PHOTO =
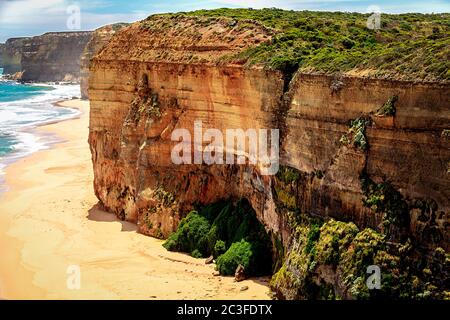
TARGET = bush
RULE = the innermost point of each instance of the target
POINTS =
(339, 42)
(216, 230)
(388, 109)
(191, 235)
(239, 253)
(384, 198)
(219, 248)
(196, 254)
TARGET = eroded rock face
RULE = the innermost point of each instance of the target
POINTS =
(53, 56)
(2, 49)
(99, 39)
(167, 72)
(12, 55)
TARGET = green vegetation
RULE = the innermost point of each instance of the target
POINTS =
(287, 179)
(238, 254)
(321, 250)
(164, 196)
(357, 134)
(384, 198)
(232, 234)
(191, 235)
(408, 46)
(117, 26)
(445, 133)
(388, 109)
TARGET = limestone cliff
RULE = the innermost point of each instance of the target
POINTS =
(350, 143)
(53, 56)
(2, 48)
(12, 55)
(99, 39)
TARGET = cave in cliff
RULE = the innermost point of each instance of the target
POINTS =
(229, 232)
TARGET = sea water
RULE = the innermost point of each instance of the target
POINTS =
(23, 107)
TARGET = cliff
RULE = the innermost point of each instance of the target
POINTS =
(53, 56)
(2, 48)
(99, 39)
(12, 55)
(368, 157)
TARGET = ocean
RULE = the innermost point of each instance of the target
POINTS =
(23, 107)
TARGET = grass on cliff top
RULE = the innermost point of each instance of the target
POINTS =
(408, 46)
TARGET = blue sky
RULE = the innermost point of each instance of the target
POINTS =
(34, 17)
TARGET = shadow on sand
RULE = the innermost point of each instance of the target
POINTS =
(98, 213)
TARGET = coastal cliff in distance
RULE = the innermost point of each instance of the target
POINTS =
(99, 39)
(53, 56)
(365, 148)
(2, 48)
(12, 55)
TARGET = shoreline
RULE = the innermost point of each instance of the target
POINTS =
(24, 289)
(50, 220)
(49, 140)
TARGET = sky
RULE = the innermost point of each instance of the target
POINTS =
(34, 17)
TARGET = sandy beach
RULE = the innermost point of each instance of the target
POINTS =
(50, 220)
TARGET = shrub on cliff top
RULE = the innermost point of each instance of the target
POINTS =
(339, 41)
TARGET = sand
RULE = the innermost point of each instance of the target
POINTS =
(50, 222)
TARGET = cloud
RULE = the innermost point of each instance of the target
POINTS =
(32, 17)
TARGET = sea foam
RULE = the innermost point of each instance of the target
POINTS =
(25, 107)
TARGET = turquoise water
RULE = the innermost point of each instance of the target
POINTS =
(11, 91)
(23, 107)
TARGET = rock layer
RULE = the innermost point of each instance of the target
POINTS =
(99, 39)
(12, 55)
(2, 49)
(167, 72)
(53, 56)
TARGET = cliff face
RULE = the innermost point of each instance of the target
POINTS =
(2, 49)
(407, 149)
(179, 67)
(346, 140)
(12, 55)
(53, 56)
(99, 39)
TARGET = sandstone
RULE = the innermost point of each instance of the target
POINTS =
(53, 56)
(239, 275)
(12, 55)
(2, 49)
(99, 39)
(166, 73)
(209, 260)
